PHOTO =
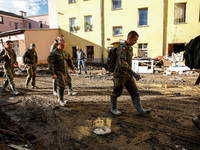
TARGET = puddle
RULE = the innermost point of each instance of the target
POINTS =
(90, 125)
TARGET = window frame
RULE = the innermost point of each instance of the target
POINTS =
(117, 8)
(73, 29)
(90, 56)
(117, 35)
(139, 17)
(88, 26)
(71, 1)
(175, 11)
(1, 22)
(143, 50)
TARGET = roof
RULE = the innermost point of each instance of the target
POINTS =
(12, 32)
(10, 14)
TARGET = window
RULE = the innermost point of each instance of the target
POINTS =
(73, 26)
(10, 24)
(29, 25)
(90, 51)
(180, 13)
(16, 26)
(117, 31)
(88, 23)
(1, 19)
(116, 4)
(74, 51)
(16, 47)
(143, 16)
(72, 1)
(40, 24)
(143, 50)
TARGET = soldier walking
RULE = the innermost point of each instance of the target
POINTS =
(8, 57)
(123, 75)
(30, 60)
(70, 64)
(58, 68)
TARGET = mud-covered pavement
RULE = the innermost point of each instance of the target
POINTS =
(39, 122)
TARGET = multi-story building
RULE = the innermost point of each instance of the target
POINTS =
(164, 26)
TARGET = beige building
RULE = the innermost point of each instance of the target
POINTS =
(164, 26)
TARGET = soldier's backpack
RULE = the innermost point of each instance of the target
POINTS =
(111, 60)
(192, 53)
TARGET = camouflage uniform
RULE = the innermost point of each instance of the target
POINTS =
(30, 58)
(8, 67)
(70, 64)
(123, 74)
(58, 67)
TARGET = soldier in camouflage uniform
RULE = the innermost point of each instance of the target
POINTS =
(69, 62)
(30, 60)
(58, 68)
(8, 57)
(123, 75)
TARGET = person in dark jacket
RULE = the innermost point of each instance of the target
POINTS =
(58, 68)
(30, 60)
(123, 76)
(8, 57)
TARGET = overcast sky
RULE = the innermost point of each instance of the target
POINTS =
(32, 7)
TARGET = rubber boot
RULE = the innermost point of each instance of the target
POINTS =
(137, 103)
(14, 89)
(61, 97)
(114, 110)
(71, 92)
(55, 90)
(5, 84)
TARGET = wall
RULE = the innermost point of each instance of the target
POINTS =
(34, 20)
(43, 40)
(6, 25)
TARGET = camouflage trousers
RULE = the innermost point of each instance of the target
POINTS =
(31, 71)
(69, 81)
(129, 83)
(9, 73)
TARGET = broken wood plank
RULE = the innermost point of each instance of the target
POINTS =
(8, 132)
(17, 147)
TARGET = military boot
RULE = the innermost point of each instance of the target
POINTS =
(61, 97)
(5, 84)
(71, 92)
(139, 109)
(114, 110)
(14, 89)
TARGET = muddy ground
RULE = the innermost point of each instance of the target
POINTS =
(35, 120)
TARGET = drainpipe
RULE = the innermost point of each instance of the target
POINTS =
(163, 32)
(101, 24)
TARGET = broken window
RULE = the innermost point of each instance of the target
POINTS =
(117, 31)
(116, 4)
(143, 50)
(180, 13)
(90, 51)
(143, 17)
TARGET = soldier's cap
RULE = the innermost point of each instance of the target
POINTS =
(9, 41)
(32, 45)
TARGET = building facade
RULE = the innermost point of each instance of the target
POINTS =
(164, 26)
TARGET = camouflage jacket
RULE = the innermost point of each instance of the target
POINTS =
(8, 62)
(57, 62)
(124, 56)
(30, 57)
